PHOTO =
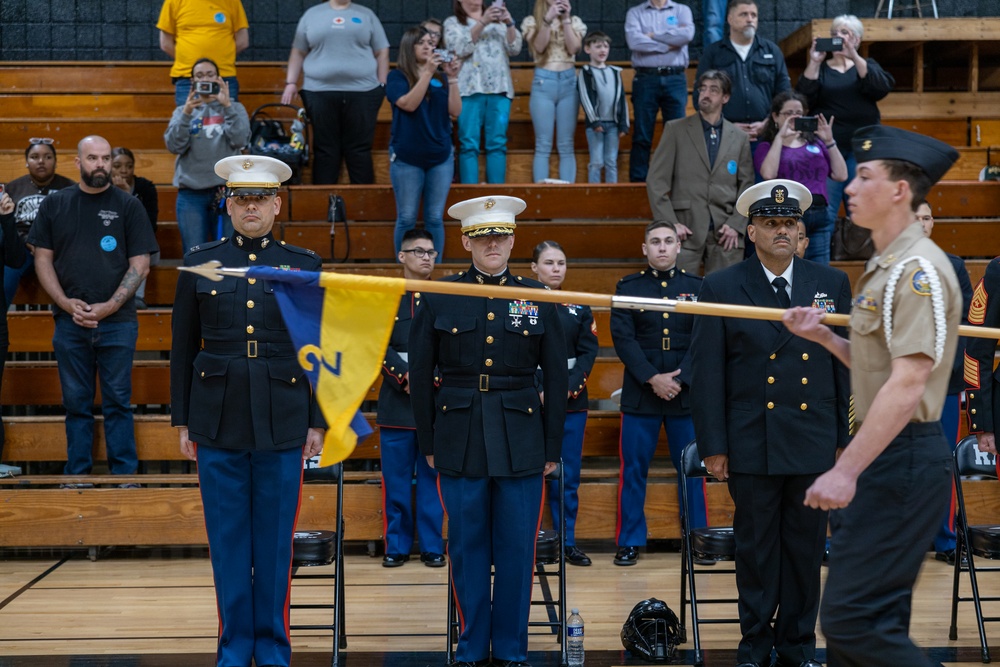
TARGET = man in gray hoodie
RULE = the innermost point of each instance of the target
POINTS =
(206, 128)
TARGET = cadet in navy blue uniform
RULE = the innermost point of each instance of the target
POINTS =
(397, 430)
(548, 262)
(485, 432)
(246, 415)
(655, 387)
(770, 410)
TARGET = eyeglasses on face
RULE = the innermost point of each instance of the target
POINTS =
(34, 141)
(420, 253)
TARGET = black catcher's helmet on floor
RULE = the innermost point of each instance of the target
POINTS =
(651, 632)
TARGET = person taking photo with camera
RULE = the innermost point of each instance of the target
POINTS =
(801, 148)
(423, 92)
(206, 128)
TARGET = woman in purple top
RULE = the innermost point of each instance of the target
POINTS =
(809, 158)
(423, 91)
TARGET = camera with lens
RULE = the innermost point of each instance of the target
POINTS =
(206, 88)
(446, 55)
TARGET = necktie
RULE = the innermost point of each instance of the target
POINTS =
(779, 285)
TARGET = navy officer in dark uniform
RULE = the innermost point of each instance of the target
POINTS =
(246, 414)
(485, 431)
(655, 387)
(770, 411)
(400, 455)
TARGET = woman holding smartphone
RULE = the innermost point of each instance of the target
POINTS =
(844, 85)
(554, 38)
(484, 39)
(809, 157)
(424, 102)
(548, 262)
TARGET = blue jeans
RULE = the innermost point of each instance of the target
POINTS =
(196, 220)
(12, 277)
(182, 88)
(819, 229)
(835, 189)
(554, 103)
(603, 152)
(105, 352)
(713, 20)
(409, 184)
(480, 111)
(652, 93)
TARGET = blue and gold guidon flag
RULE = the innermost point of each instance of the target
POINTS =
(340, 325)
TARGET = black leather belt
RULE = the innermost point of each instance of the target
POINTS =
(662, 71)
(250, 349)
(486, 382)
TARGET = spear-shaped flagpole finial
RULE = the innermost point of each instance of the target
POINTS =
(214, 270)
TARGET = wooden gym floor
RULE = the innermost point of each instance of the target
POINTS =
(156, 607)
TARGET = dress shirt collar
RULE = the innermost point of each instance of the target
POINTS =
(787, 275)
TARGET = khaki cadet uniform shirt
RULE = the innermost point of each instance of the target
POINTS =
(921, 316)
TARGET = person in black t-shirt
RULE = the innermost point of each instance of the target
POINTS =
(123, 176)
(13, 256)
(27, 192)
(92, 245)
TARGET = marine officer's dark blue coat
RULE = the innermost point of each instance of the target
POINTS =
(490, 439)
(399, 452)
(648, 343)
(236, 384)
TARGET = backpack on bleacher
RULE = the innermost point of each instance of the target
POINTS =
(283, 137)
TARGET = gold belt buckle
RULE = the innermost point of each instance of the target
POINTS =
(484, 382)
(251, 349)
(666, 344)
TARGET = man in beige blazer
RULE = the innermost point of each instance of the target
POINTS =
(697, 173)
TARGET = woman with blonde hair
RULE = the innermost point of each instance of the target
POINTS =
(554, 38)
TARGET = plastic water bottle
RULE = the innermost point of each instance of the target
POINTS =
(574, 639)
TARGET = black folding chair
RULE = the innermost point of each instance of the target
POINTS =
(714, 544)
(973, 541)
(550, 549)
(319, 548)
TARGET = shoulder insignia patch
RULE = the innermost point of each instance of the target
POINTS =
(977, 310)
(919, 283)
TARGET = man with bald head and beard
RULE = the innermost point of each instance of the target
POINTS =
(92, 244)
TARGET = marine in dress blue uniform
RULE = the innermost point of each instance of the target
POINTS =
(892, 484)
(549, 264)
(400, 455)
(982, 382)
(770, 411)
(246, 414)
(651, 344)
(486, 431)
(581, 344)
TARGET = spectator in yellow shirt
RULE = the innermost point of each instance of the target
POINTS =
(193, 29)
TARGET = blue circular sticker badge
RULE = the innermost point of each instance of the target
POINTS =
(671, 20)
(436, 83)
(812, 148)
(731, 167)
(357, 19)
(220, 17)
(109, 243)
